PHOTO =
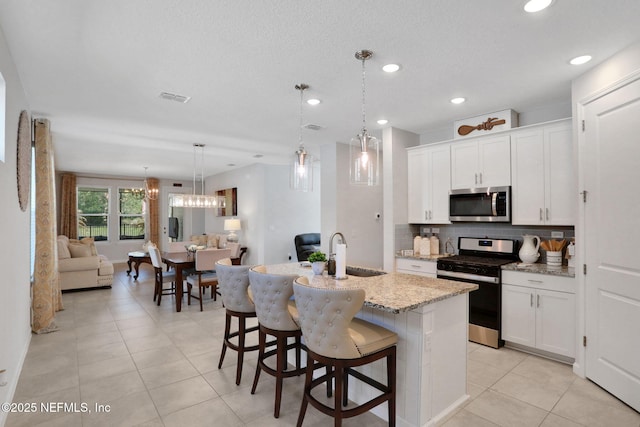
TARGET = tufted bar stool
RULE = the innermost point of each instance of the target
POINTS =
(334, 338)
(271, 295)
(233, 282)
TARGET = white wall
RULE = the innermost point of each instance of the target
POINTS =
(560, 109)
(15, 302)
(395, 144)
(271, 214)
(351, 209)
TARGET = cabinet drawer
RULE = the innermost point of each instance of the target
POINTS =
(415, 266)
(539, 281)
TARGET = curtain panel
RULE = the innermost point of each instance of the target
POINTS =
(68, 206)
(47, 298)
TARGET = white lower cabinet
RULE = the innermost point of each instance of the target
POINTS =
(538, 311)
(416, 266)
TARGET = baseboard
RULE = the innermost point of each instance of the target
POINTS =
(13, 375)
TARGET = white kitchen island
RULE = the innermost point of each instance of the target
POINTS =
(430, 317)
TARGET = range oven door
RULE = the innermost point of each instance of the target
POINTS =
(485, 306)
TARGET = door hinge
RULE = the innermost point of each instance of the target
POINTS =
(584, 340)
(584, 196)
(583, 126)
(584, 269)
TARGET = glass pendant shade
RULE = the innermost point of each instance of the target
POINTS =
(364, 159)
(364, 149)
(301, 173)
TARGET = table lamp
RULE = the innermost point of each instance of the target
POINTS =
(232, 225)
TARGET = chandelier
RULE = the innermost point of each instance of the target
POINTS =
(150, 193)
(301, 174)
(364, 150)
(195, 200)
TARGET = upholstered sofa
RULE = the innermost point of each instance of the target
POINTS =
(80, 266)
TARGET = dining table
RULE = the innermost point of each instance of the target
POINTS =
(179, 261)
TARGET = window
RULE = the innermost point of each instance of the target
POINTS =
(93, 212)
(131, 213)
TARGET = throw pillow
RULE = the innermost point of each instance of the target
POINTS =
(222, 241)
(79, 250)
(63, 249)
(89, 241)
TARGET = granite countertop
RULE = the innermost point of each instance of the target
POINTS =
(390, 292)
(539, 268)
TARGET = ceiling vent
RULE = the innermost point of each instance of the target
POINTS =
(311, 126)
(174, 97)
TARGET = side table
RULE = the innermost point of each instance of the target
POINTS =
(137, 258)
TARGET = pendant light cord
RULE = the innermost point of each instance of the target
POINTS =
(364, 127)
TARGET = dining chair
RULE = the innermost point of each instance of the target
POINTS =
(271, 295)
(233, 282)
(335, 339)
(205, 273)
(161, 276)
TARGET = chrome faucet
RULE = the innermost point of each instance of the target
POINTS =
(337, 233)
(331, 264)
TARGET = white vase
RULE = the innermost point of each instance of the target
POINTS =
(529, 250)
(318, 267)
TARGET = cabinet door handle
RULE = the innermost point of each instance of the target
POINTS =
(480, 177)
(534, 281)
(476, 175)
(426, 214)
(547, 214)
(531, 300)
(430, 214)
(416, 266)
(540, 214)
(538, 301)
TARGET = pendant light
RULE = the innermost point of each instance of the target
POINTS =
(301, 173)
(364, 150)
(150, 193)
(195, 200)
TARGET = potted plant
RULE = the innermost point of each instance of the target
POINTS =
(318, 260)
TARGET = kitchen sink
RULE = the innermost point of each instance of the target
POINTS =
(363, 272)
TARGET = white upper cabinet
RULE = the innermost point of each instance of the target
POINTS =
(543, 191)
(481, 162)
(429, 174)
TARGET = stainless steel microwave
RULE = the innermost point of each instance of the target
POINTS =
(488, 204)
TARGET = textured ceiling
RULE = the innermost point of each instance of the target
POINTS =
(96, 68)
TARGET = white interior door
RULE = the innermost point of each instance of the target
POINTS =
(612, 234)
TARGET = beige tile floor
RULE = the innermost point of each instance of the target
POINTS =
(155, 367)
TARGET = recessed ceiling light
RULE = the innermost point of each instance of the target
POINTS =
(231, 164)
(313, 101)
(383, 121)
(391, 68)
(458, 100)
(257, 156)
(537, 5)
(579, 60)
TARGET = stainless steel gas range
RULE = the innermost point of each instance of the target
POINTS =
(480, 261)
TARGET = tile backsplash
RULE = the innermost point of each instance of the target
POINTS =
(404, 233)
